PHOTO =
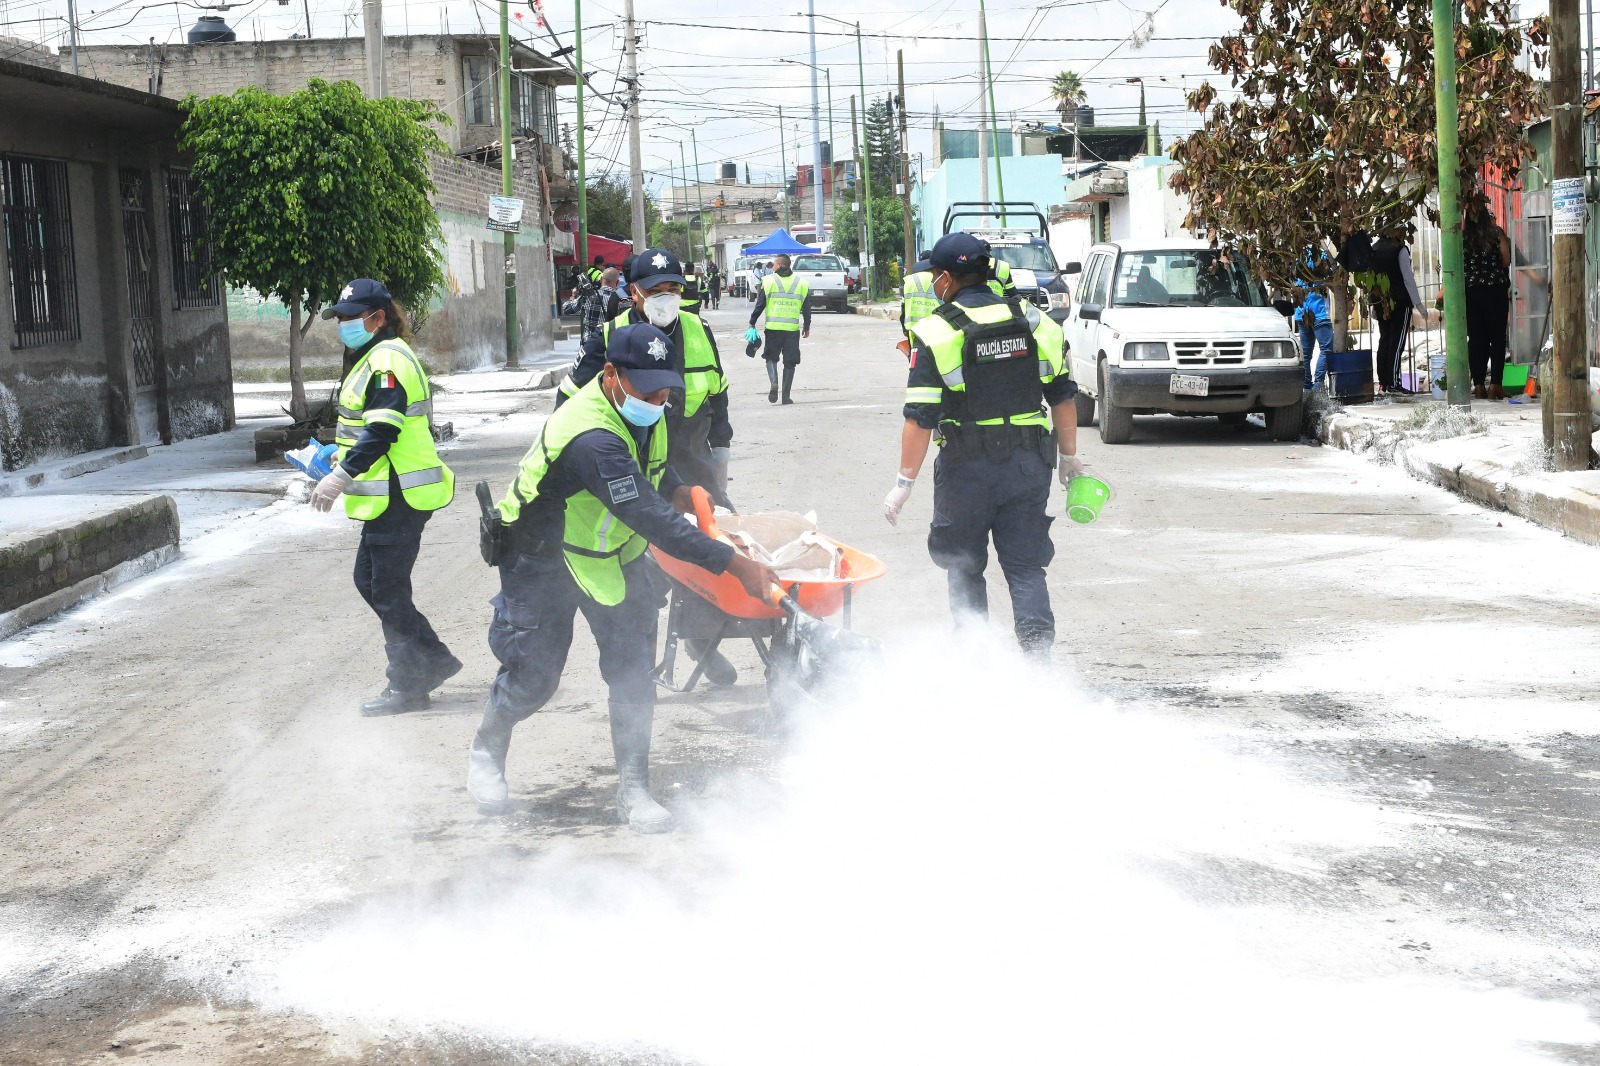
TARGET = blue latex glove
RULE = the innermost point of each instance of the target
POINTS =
(752, 336)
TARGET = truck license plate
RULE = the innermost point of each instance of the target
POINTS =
(1190, 385)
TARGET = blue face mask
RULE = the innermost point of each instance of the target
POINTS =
(354, 333)
(640, 413)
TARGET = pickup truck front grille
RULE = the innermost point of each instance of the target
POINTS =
(1209, 353)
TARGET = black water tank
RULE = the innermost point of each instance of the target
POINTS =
(730, 172)
(210, 29)
(1084, 116)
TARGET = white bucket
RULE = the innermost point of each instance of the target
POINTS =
(1436, 364)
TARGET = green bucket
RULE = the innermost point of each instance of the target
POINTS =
(1086, 495)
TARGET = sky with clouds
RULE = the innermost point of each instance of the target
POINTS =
(718, 66)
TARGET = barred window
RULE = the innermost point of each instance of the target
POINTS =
(194, 276)
(38, 233)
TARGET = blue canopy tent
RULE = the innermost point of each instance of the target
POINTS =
(779, 243)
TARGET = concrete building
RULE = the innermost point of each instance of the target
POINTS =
(114, 323)
(458, 74)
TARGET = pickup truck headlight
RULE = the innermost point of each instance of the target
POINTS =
(1146, 350)
(1274, 350)
(1060, 301)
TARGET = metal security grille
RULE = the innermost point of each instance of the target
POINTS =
(38, 233)
(194, 278)
(141, 309)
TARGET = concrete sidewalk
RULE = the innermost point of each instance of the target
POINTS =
(1494, 456)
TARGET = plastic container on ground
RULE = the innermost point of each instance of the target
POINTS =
(1350, 375)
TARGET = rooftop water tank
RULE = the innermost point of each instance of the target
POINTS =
(211, 29)
(1084, 116)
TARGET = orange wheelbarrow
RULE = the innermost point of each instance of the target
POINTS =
(797, 648)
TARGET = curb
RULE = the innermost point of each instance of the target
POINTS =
(46, 607)
(89, 464)
(1481, 468)
(888, 314)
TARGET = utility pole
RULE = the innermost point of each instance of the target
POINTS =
(861, 214)
(699, 194)
(783, 161)
(867, 273)
(507, 160)
(1455, 288)
(583, 135)
(630, 57)
(833, 154)
(372, 24)
(688, 227)
(1569, 377)
(994, 116)
(983, 134)
(816, 124)
(905, 166)
(306, 4)
(72, 32)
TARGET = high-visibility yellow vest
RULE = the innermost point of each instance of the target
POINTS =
(918, 299)
(1000, 282)
(702, 377)
(690, 300)
(594, 542)
(785, 298)
(994, 361)
(424, 479)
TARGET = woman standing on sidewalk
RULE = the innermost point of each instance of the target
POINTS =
(392, 481)
(1486, 257)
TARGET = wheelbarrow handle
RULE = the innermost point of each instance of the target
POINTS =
(703, 513)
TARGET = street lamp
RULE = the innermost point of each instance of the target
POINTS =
(866, 168)
(832, 147)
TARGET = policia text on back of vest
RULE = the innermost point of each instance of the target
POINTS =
(426, 482)
(993, 361)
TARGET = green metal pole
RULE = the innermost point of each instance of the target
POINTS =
(1455, 286)
(505, 181)
(783, 162)
(699, 196)
(688, 223)
(583, 167)
(869, 275)
(833, 153)
(994, 115)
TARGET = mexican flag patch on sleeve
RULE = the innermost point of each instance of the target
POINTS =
(385, 381)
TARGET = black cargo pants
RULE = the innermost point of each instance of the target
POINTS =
(384, 560)
(976, 497)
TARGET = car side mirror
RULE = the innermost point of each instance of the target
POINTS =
(1090, 311)
(1073, 267)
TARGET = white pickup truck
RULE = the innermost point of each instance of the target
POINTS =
(1174, 326)
(825, 274)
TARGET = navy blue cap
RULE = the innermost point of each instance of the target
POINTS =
(653, 266)
(644, 355)
(359, 297)
(960, 253)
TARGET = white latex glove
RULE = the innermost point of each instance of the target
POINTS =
(720, 457)
(330, 489)
(897, 498)
(1067, 468)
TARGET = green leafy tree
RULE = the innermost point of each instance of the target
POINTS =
(1333, 129)
(313, 188)
(610, 211)
(674, 237)
(888, 235)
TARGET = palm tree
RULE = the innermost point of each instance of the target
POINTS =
(1069, 93)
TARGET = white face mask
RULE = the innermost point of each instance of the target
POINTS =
(662, 309)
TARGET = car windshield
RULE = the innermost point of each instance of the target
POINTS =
(1186, 279)
(818, 262)
(1035, 257)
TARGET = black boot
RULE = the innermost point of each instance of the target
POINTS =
(630, 741)
(718, 670)
(486, 760)
(788, 382)
(391, 701)
(443, 671)
(772, 376)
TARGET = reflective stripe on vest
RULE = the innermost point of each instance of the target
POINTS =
(427, 483)
(948, 344)
(786, 299)
(919, 300)
(595, 542)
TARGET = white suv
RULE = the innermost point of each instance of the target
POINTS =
(826, 275)
(1174, 326)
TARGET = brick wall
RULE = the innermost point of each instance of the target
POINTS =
(34, 566)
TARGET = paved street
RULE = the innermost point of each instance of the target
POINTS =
(1312, 779)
